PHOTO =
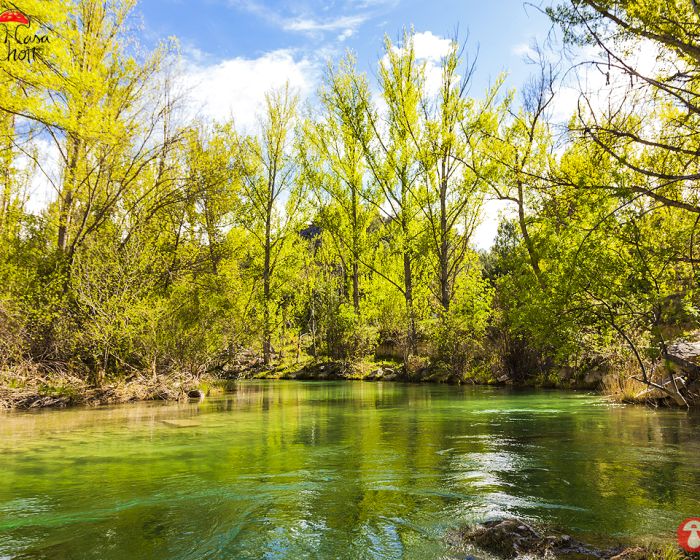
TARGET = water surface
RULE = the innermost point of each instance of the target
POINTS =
(337, 470)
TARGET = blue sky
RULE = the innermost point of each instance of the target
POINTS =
(213, 31)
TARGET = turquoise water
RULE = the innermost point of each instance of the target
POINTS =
(337, 470)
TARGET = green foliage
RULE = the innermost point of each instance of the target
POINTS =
(459, 335)
(344, 231)
(350, 338)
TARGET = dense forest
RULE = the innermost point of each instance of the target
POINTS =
(341, 230)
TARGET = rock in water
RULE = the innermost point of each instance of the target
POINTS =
(507, 537)
(512, 538)
(180, 423)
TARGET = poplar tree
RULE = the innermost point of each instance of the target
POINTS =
(270, 203)
(334, 161)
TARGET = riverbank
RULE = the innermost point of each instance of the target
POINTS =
(29, 388)
(385, 370)
(33, 387)
(621, 384)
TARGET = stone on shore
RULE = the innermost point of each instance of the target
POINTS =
(513, 538)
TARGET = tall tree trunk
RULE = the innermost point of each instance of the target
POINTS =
(65, 202)
(444, 256)
(407, 279)
(174, 262)
(355, 254)
(211, 238)
(267, 328)
(356, 285)
(534, 260)
(7, 152)
(410, 312)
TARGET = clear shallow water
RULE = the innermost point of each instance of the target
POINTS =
(337, 470)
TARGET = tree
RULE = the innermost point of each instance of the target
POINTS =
(334, 163)
(270, 205)
(451, 194)
(641, 124)
(650, 119)
(212, 177)
(519, 155)
(391, 157)
(402, 81)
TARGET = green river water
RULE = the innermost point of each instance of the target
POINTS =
(337, 470)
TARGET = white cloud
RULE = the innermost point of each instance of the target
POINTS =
(430, 47)
(345, 35)
(40, 182)
(604, 88)
(433, 78)
(564, 104)
(236, 87)
(302, 17)
(427, 47)
(311, 25)
(491, 213)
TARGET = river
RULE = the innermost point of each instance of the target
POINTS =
(337, 470)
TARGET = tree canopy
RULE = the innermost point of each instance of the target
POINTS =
(343, 228)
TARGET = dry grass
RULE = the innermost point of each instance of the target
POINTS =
(620, 387)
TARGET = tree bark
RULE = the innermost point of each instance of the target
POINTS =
(410, 312)
(444, 256)
(355, 254)
(267, 328)
(65, 201)
(534, 260)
